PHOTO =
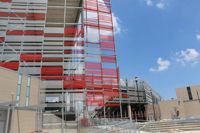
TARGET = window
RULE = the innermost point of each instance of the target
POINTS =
(189, 93)
(28, 90)
(18, 89)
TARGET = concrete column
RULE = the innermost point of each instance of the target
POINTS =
(129, 112)
(7, 120)
(85, 109)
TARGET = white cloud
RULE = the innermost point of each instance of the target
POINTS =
(162, 65)
(198, 37)
(160, 5)
(149, 2)
(116, 25)
(188, 56)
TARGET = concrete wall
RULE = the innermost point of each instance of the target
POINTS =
(186, 107)
(192, 108)
(168, 109)
(182, 94)
(8, 82)
(22, 121)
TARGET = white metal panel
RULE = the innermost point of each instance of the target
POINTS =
(31, 70)
(53, 43)
(10, 57)
(11, 38)
(28, 11)
(52, 84)
(74, 71)
(5, 4)
(25, 63)
(54, 30)
(31, 1)
(15, 27)
(93, 58)
(52, 63)
(64, 39)
(61, 55)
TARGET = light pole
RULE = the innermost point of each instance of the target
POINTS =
(137, 89)
(138, 96)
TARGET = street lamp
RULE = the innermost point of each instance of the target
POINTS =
(136, 82)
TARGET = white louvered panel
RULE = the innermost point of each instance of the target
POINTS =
(30, 1)
(52, 84)
(21, 38)
(54, 30)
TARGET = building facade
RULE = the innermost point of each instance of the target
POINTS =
(186, 105)
(137, 101)
(18, 119)
(69, 45)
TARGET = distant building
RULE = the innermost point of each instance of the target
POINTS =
(187, 104)
(137, 99)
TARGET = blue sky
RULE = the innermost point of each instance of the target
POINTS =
(159, 41)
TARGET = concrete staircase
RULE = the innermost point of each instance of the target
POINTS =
(54, 121)
(171, 126)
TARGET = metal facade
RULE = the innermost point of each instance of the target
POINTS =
(68, 44)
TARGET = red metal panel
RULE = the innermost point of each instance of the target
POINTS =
(53, 35)
(30, 57)
(92, 65)
(2, 39)
(106, 38)
(52, 77)
(109, 59)
(124, 95)
(93, 72)
(71, 43)
(109, 71)
(46, 59)
(5, 0)
(48, 70)
(74, 51)
(107, 45)
(10, 65)
(73, 31)
(112, 105)
(29, 16)
(4, 14)
(27, 32)
(105, 18)
(91, 5)
(99, 26)
(35, 16)
(74, 84)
